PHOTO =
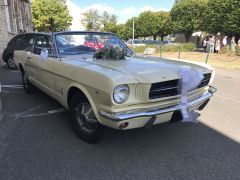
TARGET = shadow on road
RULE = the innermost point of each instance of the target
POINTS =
(47, 148)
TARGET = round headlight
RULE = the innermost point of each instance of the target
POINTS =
(121, 94)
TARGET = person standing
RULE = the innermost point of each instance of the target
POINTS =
(218, 45)
(211, 44)
(233, 44)
(205, 42)
(224, 41)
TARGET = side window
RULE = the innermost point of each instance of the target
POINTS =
(42, 42)
(27, 42)
(19, 43)
(12, 43)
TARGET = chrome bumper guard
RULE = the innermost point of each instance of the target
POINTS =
(156, 110)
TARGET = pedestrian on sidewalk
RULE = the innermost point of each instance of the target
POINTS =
(233, 44)
(217, 45)
(205, 42)
(224, 42)
(211, 44)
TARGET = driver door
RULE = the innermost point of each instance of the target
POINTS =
(44, 78)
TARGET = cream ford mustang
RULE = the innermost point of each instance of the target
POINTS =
(126, 93)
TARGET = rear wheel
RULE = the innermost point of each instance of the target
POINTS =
(84, 120)
(27, 85)
(11, 63)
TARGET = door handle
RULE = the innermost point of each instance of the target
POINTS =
(29, 57)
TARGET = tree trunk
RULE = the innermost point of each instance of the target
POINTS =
(187, 36)
(154, 37)
(162, 36)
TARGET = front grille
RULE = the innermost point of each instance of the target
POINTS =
(205, 80)
(171, 88)
(164, 89)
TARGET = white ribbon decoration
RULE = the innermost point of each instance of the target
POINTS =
(190, 79)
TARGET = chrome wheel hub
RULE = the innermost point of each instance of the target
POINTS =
(11, 63)
(86, 118)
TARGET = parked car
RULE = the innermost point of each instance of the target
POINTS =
(136, 43)
(122, 94)
(19, 42)
(153, 42)
(157, 42)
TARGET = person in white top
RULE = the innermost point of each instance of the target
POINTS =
(224, 41)
(205, 42)
(211, 44)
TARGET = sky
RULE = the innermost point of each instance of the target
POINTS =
(124, 9)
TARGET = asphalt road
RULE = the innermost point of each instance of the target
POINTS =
(37, 141)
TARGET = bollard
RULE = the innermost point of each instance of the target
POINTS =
(160, 51)
(207, 57)
(179, 53)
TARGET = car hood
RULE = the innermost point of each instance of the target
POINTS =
(144, 69)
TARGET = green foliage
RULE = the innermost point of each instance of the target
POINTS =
(110, 53)
(148, 24)
(121, 31)
(184, 47)
(129, 28)
(109, 22)
(222, 16)
(187, 16)
(43, 10)
(152, 24)
(91, 20)
(163, 23)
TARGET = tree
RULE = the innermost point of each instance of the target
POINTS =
(122, 32)
(129, 28)
(163, 23)
(187, 16)
(109, 22)
(148, 24)
(44, 10)
(223, 16)
(91, 20)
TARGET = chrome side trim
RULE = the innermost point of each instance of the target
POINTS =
(156, 111)
(163, 89)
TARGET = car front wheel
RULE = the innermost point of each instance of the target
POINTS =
(27, 85)
(84, 120)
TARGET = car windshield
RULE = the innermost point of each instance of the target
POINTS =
(71, 43)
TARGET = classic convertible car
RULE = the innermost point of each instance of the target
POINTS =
(126, 93)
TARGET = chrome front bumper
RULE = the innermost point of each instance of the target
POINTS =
(156, 110)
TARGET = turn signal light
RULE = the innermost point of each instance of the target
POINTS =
(123, 125)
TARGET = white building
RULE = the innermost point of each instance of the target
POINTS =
(75, 12)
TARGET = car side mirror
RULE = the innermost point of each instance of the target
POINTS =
(44, 54)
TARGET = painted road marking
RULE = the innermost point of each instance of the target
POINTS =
(19, 115)
(12, 86)
(55, 111)
(12, 92)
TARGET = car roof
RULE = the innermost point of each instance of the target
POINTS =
(93, 32)
(34, 33)
(63, 32)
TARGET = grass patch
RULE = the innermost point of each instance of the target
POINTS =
(184, 47)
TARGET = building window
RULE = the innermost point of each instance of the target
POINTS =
(11, 24)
